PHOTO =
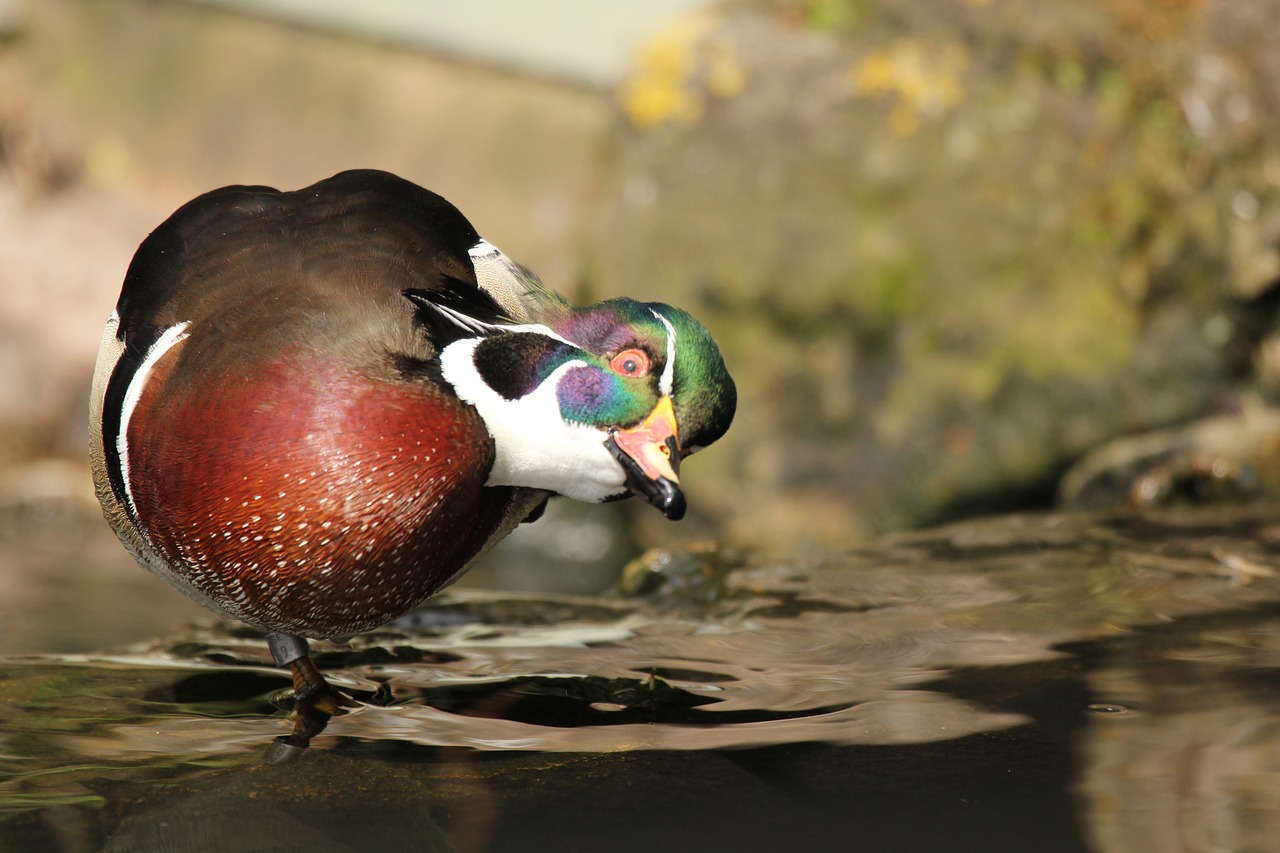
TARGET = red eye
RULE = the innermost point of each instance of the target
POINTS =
(630, 362)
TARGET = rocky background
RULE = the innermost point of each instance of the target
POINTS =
(952, 246)
(948, 247)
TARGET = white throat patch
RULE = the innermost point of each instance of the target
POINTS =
(533, 445)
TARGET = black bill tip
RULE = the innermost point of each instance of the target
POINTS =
(669, 499)
(661, 493)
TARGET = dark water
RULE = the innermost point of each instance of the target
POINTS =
(1023, 684)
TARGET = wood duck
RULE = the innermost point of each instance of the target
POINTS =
(314, 409)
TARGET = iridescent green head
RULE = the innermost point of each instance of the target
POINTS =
(639, 353)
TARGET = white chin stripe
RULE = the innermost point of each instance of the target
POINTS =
(171, 337)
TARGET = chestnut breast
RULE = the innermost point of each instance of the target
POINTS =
(310, 500)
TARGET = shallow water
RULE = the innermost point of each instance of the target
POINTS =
(1039, 683)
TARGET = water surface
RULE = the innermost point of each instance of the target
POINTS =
(1031, 683)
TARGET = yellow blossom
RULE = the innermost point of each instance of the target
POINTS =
(671, 72)
(924, 80)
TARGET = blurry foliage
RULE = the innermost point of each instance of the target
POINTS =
(677, 71)
(923, 84)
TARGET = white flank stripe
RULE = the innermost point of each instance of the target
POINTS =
(172, 336)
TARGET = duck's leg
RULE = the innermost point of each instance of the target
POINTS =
(315, 701)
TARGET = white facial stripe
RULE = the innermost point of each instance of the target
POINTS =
(539, 329)
(667, 381)
(533, 446)
(172, 336)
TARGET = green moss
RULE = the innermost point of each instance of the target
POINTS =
(833, 14)
(1070, 76)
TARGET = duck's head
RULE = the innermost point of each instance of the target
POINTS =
(593, 403)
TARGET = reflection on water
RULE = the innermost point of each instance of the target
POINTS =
(1195, 765)
(1028, 683)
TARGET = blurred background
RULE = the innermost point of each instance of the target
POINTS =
(962, 256)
